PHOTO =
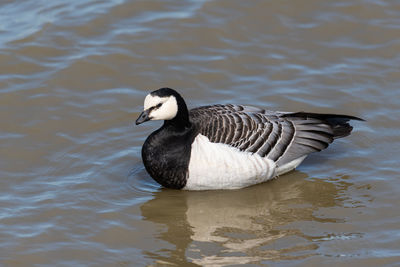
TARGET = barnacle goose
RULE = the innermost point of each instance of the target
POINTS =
(229, 146)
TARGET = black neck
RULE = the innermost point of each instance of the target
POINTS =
(181, 120)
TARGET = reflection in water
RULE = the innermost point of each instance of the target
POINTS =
(250, 225)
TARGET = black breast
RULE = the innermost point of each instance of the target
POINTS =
(166, 156)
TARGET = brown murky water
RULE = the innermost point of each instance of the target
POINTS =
(73, 76)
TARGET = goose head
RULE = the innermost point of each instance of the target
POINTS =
(164, 104)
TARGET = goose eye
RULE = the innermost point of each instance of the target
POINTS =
(159, 105)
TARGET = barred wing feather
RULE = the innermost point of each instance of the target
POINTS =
(279, 136)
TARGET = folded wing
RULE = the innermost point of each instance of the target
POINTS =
(279, 136)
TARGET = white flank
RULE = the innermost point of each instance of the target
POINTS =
(289, 166)
(220, 166)
(167, 110)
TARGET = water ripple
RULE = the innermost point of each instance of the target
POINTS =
(73, 76)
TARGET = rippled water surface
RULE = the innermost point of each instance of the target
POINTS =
(73, 76)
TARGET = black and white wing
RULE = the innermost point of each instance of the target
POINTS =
(279, 136)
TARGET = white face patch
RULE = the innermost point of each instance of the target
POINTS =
(163, 108)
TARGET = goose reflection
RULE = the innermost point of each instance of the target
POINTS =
(250, 225)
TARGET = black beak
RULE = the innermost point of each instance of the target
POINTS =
(143, 117)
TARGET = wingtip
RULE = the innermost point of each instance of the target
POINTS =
(356, 118)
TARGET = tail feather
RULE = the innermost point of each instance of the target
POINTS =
(314, 132)
(338, 123)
